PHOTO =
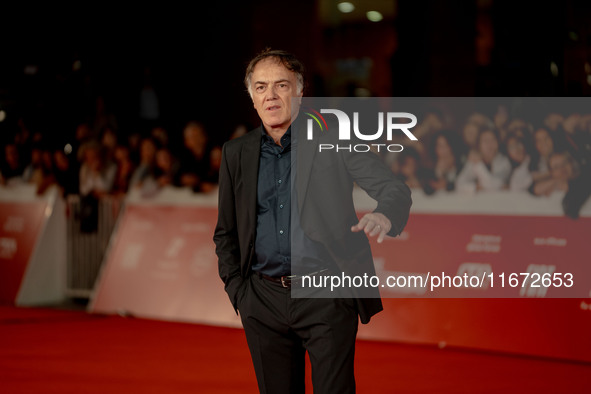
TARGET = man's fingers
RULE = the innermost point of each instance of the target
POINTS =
(374, 230)
(360, 226)
(381, 236)
(372, 227)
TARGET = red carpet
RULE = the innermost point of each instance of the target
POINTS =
(56, 351)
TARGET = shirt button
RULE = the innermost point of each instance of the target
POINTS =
(279, 181)
(281, 232)
(281, 206)
(279, 155)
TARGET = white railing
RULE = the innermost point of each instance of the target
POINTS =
(89, 226)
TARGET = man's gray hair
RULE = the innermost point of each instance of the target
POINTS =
(287, 59)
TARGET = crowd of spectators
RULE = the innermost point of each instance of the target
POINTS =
(100, 160)
(494, 153)
(484, 153)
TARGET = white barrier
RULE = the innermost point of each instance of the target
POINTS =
(32, 246)
(87, 246)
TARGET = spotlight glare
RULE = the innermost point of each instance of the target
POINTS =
(573, 35)
(2, 115)
(374, 16)
(68, 149)
(345, 7)
(554, 69)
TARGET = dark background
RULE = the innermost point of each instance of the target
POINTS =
(196, 55)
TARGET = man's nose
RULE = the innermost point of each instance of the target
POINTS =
(271, 93)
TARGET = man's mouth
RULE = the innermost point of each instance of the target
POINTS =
(273, 108)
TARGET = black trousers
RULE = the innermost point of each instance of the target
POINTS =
(280, 329)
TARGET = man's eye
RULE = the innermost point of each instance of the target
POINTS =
(260, 88)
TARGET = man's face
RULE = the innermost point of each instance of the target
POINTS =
(273, 87)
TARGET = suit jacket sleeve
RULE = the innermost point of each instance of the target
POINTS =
(226, 233)
(391, 193)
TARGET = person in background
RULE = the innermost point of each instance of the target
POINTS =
(12, 167)
(195, 158)
(544, 144)
(408, 167)
(96, 174)
(487, 169)
(82, 135)
(40, 172)
(474, 125)
(472, 128)
(125, 169)
(23, 137)
(239, 131)
(147, 162)
(96, 181)
(167, 169)
(34, 170)
(470, 135)
(518, 153)
(568, 177)
(447, 149)
(109, 142)
(578, 181)
(501, 119)
(211, 179)
(134, 141)
(553, 120)
(160, 136)
(577, 137)
(516, 125)
(66, 172)
(562, 170)
(571, 123)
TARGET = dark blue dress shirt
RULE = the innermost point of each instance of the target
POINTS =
(277, 219)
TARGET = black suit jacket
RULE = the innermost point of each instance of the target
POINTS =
(324, 188)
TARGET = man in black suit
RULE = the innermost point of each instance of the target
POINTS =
(280, 201)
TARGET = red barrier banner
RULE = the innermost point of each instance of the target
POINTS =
(487, 256)
(20, 226)
(162, 264)
(473, 245)
(556, 328)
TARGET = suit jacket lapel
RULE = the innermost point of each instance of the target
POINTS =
(306, 151)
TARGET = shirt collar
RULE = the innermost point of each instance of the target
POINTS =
(285, 139)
